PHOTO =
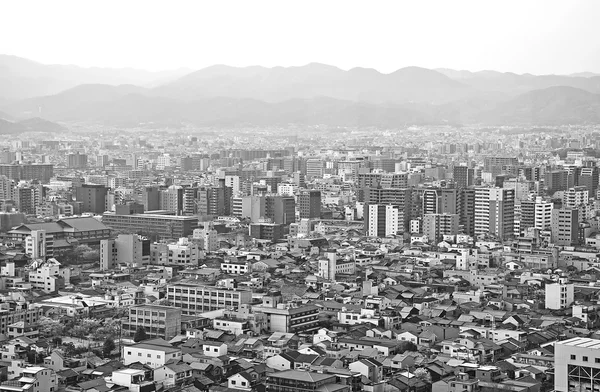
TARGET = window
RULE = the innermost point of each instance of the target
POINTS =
(585, 359)
(573, 357)
(232, 382)
(139, 354)
(128, 352)
(597, 360)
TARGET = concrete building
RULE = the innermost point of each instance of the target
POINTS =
(564, 227)
(576, 364)
(303, 319)
(494, 212)
(92, 197)
(33, 379)
(158, 225)
(331, 265)
(193, 298)
(559, 295)
(130, 249)
(153, 353)
(309, 204)
(383, 220)
(435, 226)
(48, 275)
(35, 244)
(184, 253)
(159, 321)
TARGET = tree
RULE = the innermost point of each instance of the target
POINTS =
(109, 346)
(140, 334)
(50, 327)
(423, 375)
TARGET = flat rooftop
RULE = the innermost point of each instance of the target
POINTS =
(582, 342)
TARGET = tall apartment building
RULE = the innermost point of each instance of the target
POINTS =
(383, 220)
(215, 200)
(158, 321)
(556, 180)
(193, 298)
(495, 212)
(466, 210)
(439, 201)
(564, 228)
(576, 196)
(402, 198)
(464, 176)
(309, 204)
(536, 213)
(92, 197)
(28, 197)
(171, 199)
(435, 226)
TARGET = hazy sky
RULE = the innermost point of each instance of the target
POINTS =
(541, 36)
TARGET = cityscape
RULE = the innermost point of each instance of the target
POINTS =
(299, 228)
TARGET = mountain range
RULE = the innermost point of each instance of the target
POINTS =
(312, 94)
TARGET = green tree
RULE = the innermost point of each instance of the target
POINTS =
(108, 347)
(140, 334)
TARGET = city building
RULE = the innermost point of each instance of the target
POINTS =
(158, 321)
(194, 298)
(494, 212)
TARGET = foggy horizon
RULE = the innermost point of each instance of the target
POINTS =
(536, 37)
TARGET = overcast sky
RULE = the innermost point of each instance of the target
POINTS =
(535, 36)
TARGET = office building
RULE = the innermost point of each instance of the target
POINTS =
(183, 253)
(194, 298)
(556, 180)
(215, 200)
(303, 319)
(151, 198)
(92, 197)
(565, 224)
(309, 204)
(495, 212)
(158, 321)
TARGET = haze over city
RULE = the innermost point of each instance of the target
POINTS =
(538, 37)
(299, 196)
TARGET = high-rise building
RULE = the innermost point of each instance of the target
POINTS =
(464, 176)
(576, 196)
(314, 168)
(556, 180)
(215, 200)
(77, 160)
(565, 224)
(496, 165)
(171, 199)
(309, 204)
(435, 226)
(383, 220)
(495, 212)
(151, 198)
(92, 197)
(28, 197)
(536, 213)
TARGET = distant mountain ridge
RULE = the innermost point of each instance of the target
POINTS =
(316, 93)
